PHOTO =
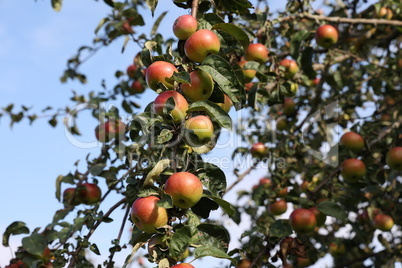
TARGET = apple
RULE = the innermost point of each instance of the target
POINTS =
(183, 265)
(382, 13)
(389, 15)
(282, 192)
(320, 217)
(258, 150)
(326, 36)
(178, 112)
(291, 67)
(200, 87)
(227, 103)
(352, 141)
(293, 89)
(146, 214)
(248, 74)
(244, 264)
(278, 207)
(201, 44)
(201, 126)
(131, 71)
(337, 249)
(185, 189)
(289, 107)
(315, 81)
(383, 222)
(126, 28)
(184, 26)
(248, 86)
(399, 63)
(136, 88)
(256, 52)
(302, 220)
(281, 124)
(157, 73)
(70, 197)
(353, 170)
(394, 158)
(112, 129)
(89, 193)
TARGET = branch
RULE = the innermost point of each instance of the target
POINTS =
(241, 177)
(194, 8)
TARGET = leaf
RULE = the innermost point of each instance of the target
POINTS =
(214, 179)
(182, 77)
(152, 5)
(226, 206)
(234, 31)
(204, 207)
(156, 171)
(307, 62)
(35, 244)
(100, 24)
(97, 169)
(165, 201)
(157, 23)
(94, 248)
(208, 251)
(180, 241)
(58, 186)
(214, 111)
(280, 228)
(56, 4)
(295, 42)
(217, 232)
(165, 136)
(15, 228)
(332, 209)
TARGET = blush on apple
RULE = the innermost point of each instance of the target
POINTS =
(258, 150)
(394, 158)
(185, 189)
(157, 73)
(227, 103)
(326, 36)
(383, 222)
(278, 207)
(256, 52)
(352, 141)
(291, 68)
(302, 220)
(176, 113)
(201, 44)
(200, 87)
(353, 170)
(131, 71)
(112, 129)
(183, 265)
(184, 26)
(147, 215)
(89, 193)
(136, 88)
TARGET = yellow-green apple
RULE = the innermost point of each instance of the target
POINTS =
(200, 87)
(147, 215)
(394, 158)
(258, 150)
(291, 67)
(184, 26)
(293, 89)
(227, 103)
(183, 265)
(201, 44)
(382, 13)
(70, 197)
(112, 129)
(185, 189)
(278, 207)
(383, 222)
(131, 71)
(326, 36)
(289, 107)
(256, 52)
(248, 74)
(157, 73)
(302, 220)
(244, 264)
(89, 193)
(201, 126)
(281, 124)
(320, 217)
(353, 170)
(136, 88)
(390, 14)
(178, 112)
(352, 141)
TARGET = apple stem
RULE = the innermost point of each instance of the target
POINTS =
(194, 8)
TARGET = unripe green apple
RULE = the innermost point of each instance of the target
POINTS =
(302, 220)
(256, 52)
(112, 129)
(157, 72)
(147, 215)
(136, 88)
(289, 107)
(184, 26)
(183, 265)
(278, 207)
(227, 103)
(353, 170)
(201, 126)
(258, 150)
(248, 74)
(291, 67)
(244, 264)
(201, 44)
(281, 124)
(131, 71)
(326, 36)
(185, 189)
(320, 217)
(352, 141)
(200, 87)
(178, 112)
(70, 197)
(89, 193)
(383, 222)
(394, 158)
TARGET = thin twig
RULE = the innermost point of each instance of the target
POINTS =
(241, 177)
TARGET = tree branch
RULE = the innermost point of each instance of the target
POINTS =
(240, 177)
(194, 8)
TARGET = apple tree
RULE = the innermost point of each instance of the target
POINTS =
(318, 86)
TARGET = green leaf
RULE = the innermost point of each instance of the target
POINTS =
(157, 23)
(152, 5)
(234, 31)
(209, 20)
(15, 228)
(60, 214)
(214, 111)
(180, 241)
(156, 171)
(226, 206)
(100, 24)
(165, 201)
(165, 136)
(307, 62)
(280, 228)
(94, 249)
(182, 77)
(58, 186)
(208, 251)
(97, 169)
(295, 42)
(332, 209)
(204, 207)
(213, 178)
(35, 244)
(56, 4)
(217, 232)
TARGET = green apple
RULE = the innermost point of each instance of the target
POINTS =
(70, 197)
(200, 87)
(185, 189)
(201, 126)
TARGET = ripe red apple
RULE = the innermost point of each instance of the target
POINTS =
(352, 141)
(248, 74)
(315, 81)
(201, 44)
(248, 86)
(291, 67)
(200, 87)
(282, 192)
(157, 72)
(326, 36)
(136, 88)
(258, 150)
(302, 220)
(131, 71)
(227, 103)
(70, 197)
(89, 193)
(394, 158)
(278, 207)
(184, 26)
(320, 217)
(289, 107)
(183, 265)
(112, 129)
(383, 222)
(178, 112)
(353, 170)
(126, 28)
(201, 126)
(146, 214)
(185, 189)
(244, 264)
(256, 52)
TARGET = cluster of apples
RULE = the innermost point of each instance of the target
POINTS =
(86, 193)
(384, 13)
(136, 86)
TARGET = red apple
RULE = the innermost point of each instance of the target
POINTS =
(282, 192)
(326, 36)
(320, 217)
(178, 112)
(131, 71)
(383, 222)
(256, 52)
(289, 107)
(201, 44)
(265, 182)
(89, 193)
(183, 265)
(70, 197)
(184, 26)
(201, 126)
(227, 103)
(291, 67)
(157, 72)
(244, 264)
(185, 189)
(200, 87)
(352, 141)
(258, 150)
(112, 129)
(394, 158)
(248, 74)
(278, 207)
(316, 81)
(126, 28)
(248, 86)
(353, 170)
(302, 220)
(136, 88)
(146, 214)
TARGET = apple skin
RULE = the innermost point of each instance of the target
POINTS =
(302, 220)
(110, 130)
(281, 124)
(278, 207)
(70, 197)
(383, 222)
(320, 217)
(136, 88)
(326, 36)
(258, 150)
(244, 264)
(248, 74)
(146, 214)
(183, 265)
(291, 68)
(353, 170)
(89, 193)
(157, 72)
(201, 44)
(227, 104)
(131, 71)
(184, 26)
(394, 158)
(185, 189)
(352, 141)
(256, 52)
(289, 107)
(201, 86)
(201, 126)
(265, 182)
(248, 86)
(178, 113)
